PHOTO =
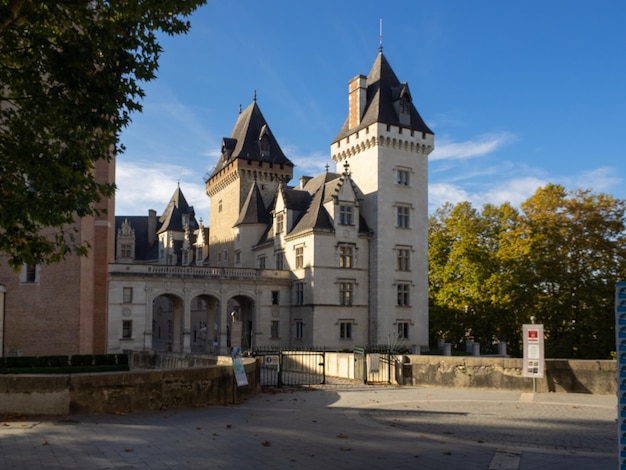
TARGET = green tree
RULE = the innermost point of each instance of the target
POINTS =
(578, 253)
(70, 75)
(473, 264)
(557, 259)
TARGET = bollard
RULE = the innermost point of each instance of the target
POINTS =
(475, 349)
(447, 349)
(502, 348)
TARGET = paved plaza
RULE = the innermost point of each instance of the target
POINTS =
(340, 426)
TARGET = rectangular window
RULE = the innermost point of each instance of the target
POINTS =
(275, 329)
(404, 290)
(345, 330)
(185, 258)
(403, 177)
(280, 260)
(31, 273)
(345, 256)
(126, 250)
(262, 261)
(345, 215)
(299, 333)
(403, 330)
(299, 257)
(404, 257)
(345, 293)
(275, 297)
(402, 217)
(219, 207)
(280, 223)
(127, 295)
(299, 293)
(127, 329)
(237, 257)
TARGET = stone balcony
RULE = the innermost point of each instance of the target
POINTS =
(195, 272)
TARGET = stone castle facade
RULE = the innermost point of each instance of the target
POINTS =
(338, 260)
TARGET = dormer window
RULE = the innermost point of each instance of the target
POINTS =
(264, 142)
(405, 105)
(265, 145)
(345, 215)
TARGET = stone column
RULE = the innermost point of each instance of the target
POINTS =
(224, 321)
(177, 324)
(186, 311)
(148, 317)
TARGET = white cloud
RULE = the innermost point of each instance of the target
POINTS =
(600, 180)
(148, 185)
(482, 145)
(515, 191)
(440, 193)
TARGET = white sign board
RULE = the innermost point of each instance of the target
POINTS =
(533, 364)
(238, 368)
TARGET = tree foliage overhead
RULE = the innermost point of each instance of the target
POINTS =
(70, 76)
(557, 259)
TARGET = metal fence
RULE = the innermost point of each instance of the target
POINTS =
(375, 365)
(292, 366)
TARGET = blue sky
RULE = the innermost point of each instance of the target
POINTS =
(519, 94)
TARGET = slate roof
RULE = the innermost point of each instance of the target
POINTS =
(245, 139)
(172, 219)
(254, 210)
(143, 251)
(383, 88)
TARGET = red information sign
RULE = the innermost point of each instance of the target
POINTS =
(533, 364)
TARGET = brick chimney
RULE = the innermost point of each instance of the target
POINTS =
(357, 98)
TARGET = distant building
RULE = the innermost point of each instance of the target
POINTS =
(340, 260)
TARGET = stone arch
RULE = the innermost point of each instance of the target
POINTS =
(167, 322)
(242, 307)
(204, 328)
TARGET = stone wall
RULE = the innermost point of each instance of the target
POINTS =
(118, 392)
(561, 375)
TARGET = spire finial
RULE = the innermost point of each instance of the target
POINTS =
(380, 38)
(240, 110)
(255, 96)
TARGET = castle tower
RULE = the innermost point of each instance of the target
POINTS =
(250, 155)
(386, 143)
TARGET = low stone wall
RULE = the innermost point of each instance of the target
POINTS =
(561, 375)
(135, 390)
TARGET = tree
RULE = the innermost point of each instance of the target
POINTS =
(473, 273)
(557, 259)
(70, 75)
(578, 253)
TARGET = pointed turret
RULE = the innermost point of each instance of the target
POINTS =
(380, 98)
(252, 141)
(176, 212)
(250, 156)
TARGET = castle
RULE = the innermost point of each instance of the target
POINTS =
(338, 260)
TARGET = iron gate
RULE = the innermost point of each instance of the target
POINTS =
(374, 365)
(292, 367)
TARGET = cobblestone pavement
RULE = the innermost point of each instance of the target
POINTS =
(341, 426)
